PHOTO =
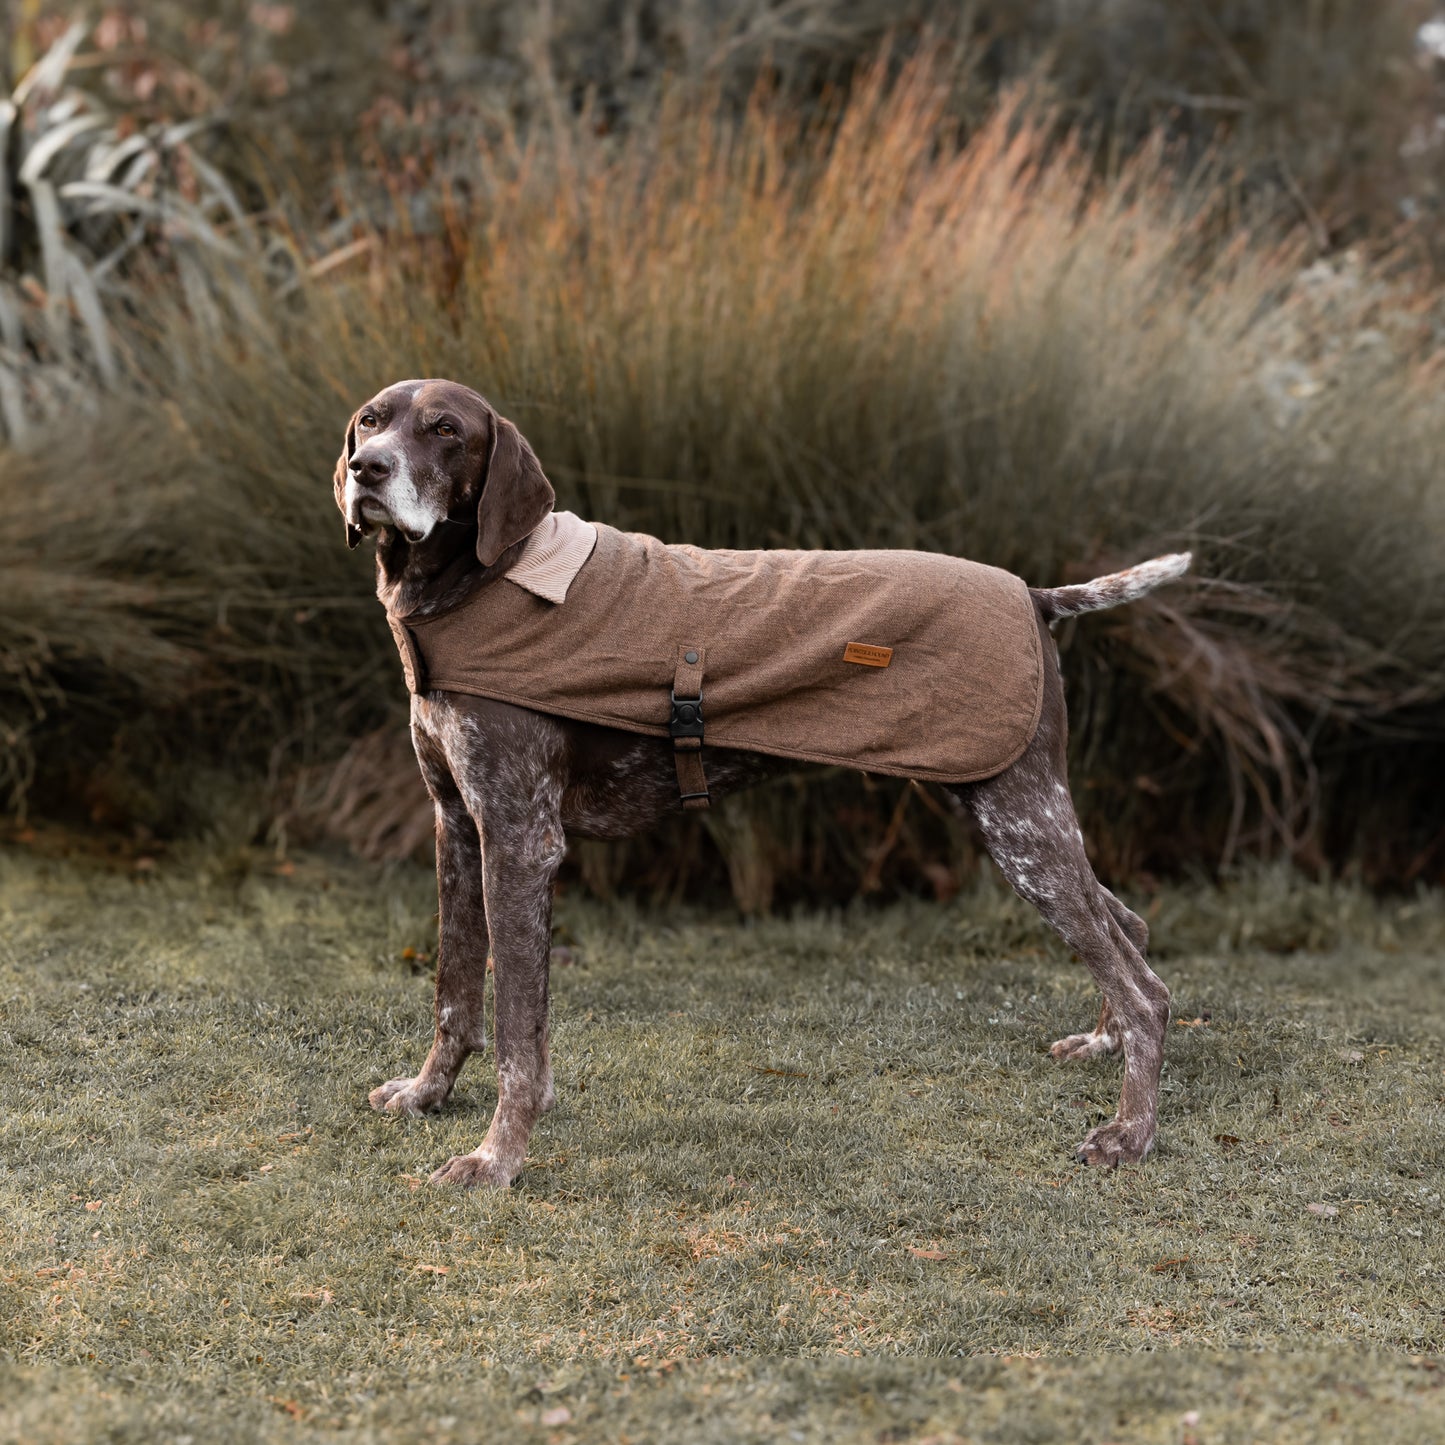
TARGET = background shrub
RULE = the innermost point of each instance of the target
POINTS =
(854, 305)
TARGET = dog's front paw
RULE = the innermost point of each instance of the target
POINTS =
(1078, 1047)
(1122, 1141)
(475, 1171)
(407, 1096)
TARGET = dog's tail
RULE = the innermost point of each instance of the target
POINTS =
(1110, 591)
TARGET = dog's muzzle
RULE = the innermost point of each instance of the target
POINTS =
(367, 513)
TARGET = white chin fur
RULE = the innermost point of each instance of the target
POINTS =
(400, 505)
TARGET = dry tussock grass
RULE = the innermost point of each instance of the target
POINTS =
(856, 329)
(862, 332)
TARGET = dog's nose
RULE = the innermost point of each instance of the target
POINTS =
(373, 469)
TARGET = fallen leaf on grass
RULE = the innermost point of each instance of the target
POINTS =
(927, 1253)
(1226, 1139)
(1170, 1266)
(1351, 1056)
(434, 1268)
(291, 1407)
(1202, 1022)
(94, 1205)
(1325, 1211)
(559, 1415)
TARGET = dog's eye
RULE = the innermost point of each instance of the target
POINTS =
(446, 429)
(367, 420)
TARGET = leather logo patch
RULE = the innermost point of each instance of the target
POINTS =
(868, 656)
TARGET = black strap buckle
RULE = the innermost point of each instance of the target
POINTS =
(686, 717)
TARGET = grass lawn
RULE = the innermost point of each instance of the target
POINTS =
(808, 1179)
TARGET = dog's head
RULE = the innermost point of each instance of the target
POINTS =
(423, 454)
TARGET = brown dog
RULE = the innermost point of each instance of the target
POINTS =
(453, 493)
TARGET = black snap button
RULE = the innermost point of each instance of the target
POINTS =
(685, 714)
(689, 657)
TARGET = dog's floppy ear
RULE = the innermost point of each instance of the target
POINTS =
(516, 495)
(348, 449)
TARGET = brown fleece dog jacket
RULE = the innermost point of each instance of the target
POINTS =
(911, 664)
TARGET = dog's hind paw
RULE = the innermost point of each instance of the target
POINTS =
(1117, 1142)
(1084, 1046)
(475, 1171)
(407, 1096)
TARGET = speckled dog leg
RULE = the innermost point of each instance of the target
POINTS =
(1104, 1039)
(461, 952)
(1028, 823)
(518, 796)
